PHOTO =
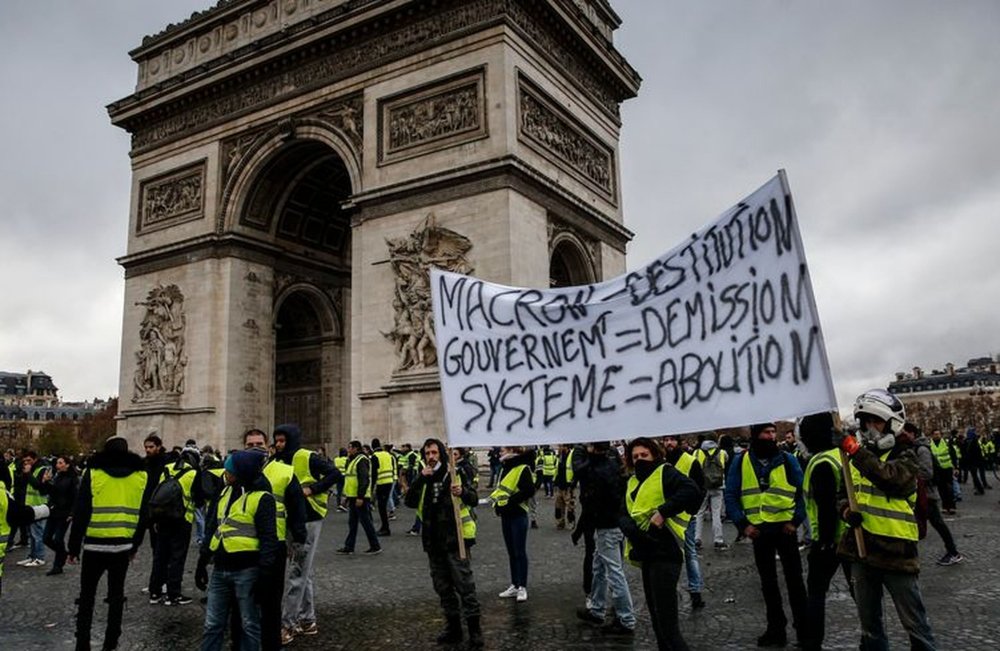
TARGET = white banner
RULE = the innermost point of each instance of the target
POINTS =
(721, 331)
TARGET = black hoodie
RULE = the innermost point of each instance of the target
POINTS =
(439, 532)
(322, 470)
(116, 464)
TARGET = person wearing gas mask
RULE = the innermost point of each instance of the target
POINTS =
(884, 471)
(764, 499)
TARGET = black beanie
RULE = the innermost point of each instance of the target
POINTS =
(755, 430)
(116, 444)
(816, 431)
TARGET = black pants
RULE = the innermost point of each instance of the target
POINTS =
(93, 566)
(363, 515)
(936, 521)
(382, 493)
(977, 482)
(172, 542)
(54, 537)
(980, 470)
(823, 564)
(771, 540)
(943, 480)
(588, 560)
(659, 582)
(454, 584)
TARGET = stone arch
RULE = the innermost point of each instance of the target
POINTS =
(570, 263)
(244, 172)
(330, 318)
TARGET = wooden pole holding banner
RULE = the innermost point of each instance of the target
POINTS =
(852, 500)
(456, 502)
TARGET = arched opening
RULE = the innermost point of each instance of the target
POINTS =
(569, 265)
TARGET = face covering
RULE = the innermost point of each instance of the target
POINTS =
(879, 440)
(644, 468)
(764, 449)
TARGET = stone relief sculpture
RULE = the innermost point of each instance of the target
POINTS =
(434, 117)
(175, 198)
(161, 358)
(411, 258)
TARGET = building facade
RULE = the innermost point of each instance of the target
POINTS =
(953, 398)
(30, 400)
(299, 165)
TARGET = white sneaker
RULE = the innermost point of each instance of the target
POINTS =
(36, 562)
(509, 592)
(26, 562)
(522, 594)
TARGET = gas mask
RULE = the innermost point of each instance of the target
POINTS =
(881, 441)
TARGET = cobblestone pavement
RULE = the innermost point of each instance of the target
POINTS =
(370, 603)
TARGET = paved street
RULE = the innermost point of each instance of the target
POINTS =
(369, 603)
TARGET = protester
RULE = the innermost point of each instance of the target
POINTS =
(565, 486)
(602, 494)
(61, 491)
(659, 501)
(685, 462)
(764, 498)
(32, 471)
(173, 526)
(510, 501)
(385, 472)
(358, 493)
(316, 476)
(242, 542)
(109, 520)
(944, 471)
(926, 470)
(714, 461)
(431, 494)
(884, 471)
(12, 516)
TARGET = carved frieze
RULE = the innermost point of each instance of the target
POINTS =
(373, 51)
(172, 198)
(346, 115)
(555, 134)
(161, 358)
(412, 257)
(438, 115)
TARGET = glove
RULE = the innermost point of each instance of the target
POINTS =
(852, 518)
(201, 574)
(849, 444)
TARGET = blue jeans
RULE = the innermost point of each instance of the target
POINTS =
(226, 587)
(515, 537)
(905, 591)
(199, 524)
(609, 575)
(691, 564)
(36, 538)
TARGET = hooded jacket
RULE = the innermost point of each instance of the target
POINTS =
(439, 532)
(525, 485)
(247, 467)
(322, 470)
(602, 488)
(117, 464)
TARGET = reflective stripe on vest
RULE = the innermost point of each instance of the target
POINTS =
(115, 504)
(550, 463)
(236, 531)
(776, 504)
(883, 515)
(508, 486)
(942, 454)
(832, 459)
(280, 475)
(386, 468)
(468, 519)
(642, 500)
(351, 488)
(300, 464)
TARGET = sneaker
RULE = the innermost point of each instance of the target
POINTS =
(287, 636)
(373, 551)
(617, 628)
(392, 516)
(587, 615)
(383, 534)
(522, 594)
(179, 600)
(54, 571)
(26, 562)
(35, 562)
(511, 591)
(155, 599)
(145, 590)
(342, 508)
(721, 547)
(950, 559)
(307, 629)
(344, 551)
(412, 532)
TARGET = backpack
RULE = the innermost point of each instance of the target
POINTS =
(166, 503)
(712, 469)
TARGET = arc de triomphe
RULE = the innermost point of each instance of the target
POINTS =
(298, 165)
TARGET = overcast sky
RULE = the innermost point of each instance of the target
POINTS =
(884, 114)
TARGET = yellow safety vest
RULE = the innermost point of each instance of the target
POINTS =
(4, 527)
(115, 504)
(300, 464)
(468, 519)
(508, 486)
(684, 463)
(831, 458)
(386, 468)
(236, 531)
(31, 495)
(883, 515)
(550, 464)
(340, 463)
(942, 454)
(351, 487)
(643, 499)
(280, 475)
(569, 466)
(776, 504)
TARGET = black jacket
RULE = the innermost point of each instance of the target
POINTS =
(116, 464)
(322, 470)
(61, 492)
(525, 485)
(602, 488)
(266, 523)
(438, 530)
(681, 494)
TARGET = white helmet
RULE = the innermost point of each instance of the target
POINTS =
(881, 404)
